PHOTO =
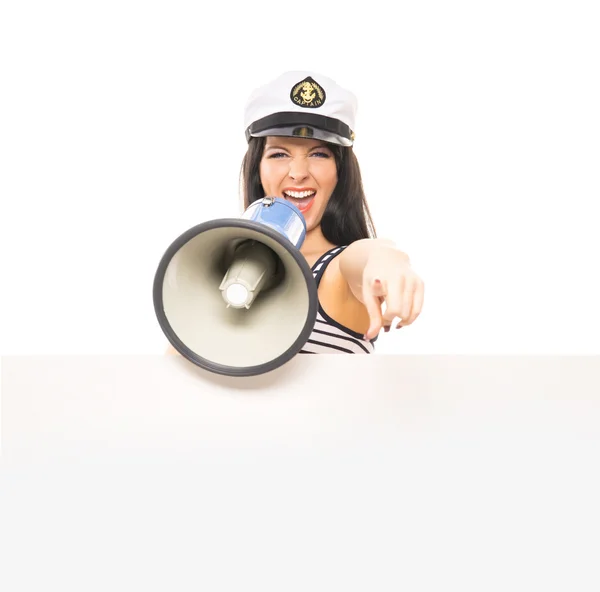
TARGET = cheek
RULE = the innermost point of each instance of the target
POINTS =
(262, 174)
(334, 180)
(329, 178)
(268, 175)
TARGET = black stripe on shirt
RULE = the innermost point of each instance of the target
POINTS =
(343, 349)
(351, 339)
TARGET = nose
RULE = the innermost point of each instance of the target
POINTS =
(298, 168)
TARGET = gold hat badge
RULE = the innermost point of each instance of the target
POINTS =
(308, 94)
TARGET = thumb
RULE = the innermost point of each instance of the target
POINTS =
(372, 292)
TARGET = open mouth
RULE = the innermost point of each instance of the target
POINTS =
(303, 200)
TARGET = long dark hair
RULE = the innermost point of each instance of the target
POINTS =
(346, 218)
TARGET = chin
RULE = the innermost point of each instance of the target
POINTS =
(312, 222)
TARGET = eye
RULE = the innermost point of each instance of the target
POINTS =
(321, 154)
(276, 155)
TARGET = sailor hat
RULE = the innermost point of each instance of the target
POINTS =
(302, 104)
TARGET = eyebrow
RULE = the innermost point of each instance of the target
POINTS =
(271, 147)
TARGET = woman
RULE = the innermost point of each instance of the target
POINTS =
(300, 135)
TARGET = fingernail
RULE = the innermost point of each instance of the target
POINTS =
(386, 328)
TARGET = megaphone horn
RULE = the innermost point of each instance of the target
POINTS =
(235, 295)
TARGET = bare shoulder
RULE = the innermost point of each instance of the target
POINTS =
(338, 301)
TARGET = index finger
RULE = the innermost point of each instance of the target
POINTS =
(371, 299)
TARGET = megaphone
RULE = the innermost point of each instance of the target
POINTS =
(235, 296)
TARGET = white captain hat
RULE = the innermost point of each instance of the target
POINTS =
(302, 104)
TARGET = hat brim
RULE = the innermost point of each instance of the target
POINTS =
(303, 131)
(302, 125)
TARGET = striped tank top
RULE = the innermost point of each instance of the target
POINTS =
(329, 336)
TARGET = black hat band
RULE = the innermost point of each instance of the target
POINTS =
(286, 119)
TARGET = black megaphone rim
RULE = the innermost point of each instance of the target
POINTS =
(224, 369)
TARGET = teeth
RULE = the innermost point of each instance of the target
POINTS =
(299, 194)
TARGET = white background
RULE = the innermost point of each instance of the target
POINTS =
(478, 136)
(121, 126)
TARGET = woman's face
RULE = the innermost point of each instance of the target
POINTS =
(299, 170)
